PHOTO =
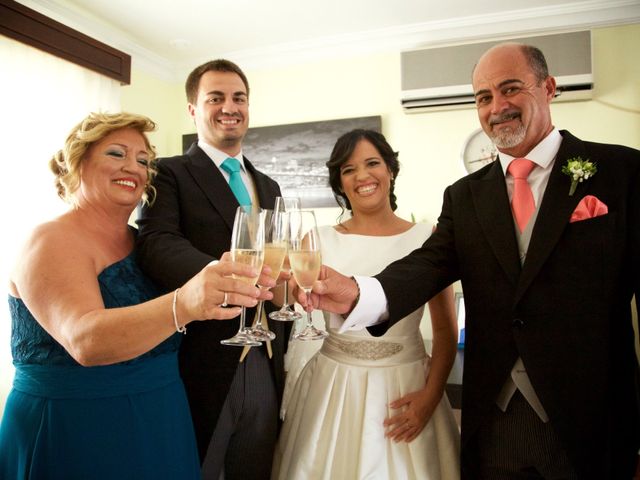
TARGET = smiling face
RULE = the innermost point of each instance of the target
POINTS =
(512, 102)
(221, 111)
(115, 169)
(365, 179)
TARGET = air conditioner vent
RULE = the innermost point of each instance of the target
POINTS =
(441, 77)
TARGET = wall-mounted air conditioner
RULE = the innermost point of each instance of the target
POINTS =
(440, 77)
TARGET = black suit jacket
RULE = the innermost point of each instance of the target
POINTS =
(565, 312)
(188, 226)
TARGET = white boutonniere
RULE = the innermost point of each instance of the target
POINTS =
(578, 170)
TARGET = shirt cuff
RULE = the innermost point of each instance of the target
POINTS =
(370, 310)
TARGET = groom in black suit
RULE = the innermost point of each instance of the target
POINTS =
(234, 405)
(550, 374)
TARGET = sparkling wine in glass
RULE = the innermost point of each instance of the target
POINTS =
(276, 232)
(247, 246)
(306, 260)
(286, 313)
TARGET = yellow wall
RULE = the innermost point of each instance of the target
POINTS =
(162, 102)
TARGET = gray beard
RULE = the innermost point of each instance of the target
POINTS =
(509, 139)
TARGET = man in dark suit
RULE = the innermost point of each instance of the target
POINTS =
(549, 386)
(234, 404)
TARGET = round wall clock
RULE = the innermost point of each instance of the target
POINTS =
(477, 151)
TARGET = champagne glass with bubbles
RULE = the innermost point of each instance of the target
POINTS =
(276, 235)
(247, 246)
(306, 260)
(286, 313)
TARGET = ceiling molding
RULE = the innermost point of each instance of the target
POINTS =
(515, 23)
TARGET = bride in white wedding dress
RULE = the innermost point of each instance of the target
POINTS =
(367, 407)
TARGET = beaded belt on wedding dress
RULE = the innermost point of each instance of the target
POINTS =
(372, 351)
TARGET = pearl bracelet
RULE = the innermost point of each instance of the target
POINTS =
(179, 329)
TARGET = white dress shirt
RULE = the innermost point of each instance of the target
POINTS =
(542, 155)
(218, 156)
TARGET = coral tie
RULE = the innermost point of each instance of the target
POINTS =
(522, 202)
(232, 167)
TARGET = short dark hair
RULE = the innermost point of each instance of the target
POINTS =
(342, 151)
(536, 61)
(219, 65)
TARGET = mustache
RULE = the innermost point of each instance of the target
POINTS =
(504, 117)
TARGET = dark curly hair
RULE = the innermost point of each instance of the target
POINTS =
(342, 151)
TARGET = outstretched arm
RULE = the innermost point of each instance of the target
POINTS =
(67, 302)
(334, 292)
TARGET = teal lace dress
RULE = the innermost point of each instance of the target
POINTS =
(129, 420)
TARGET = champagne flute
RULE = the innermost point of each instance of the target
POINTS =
(286, 313)
(276, 234)
(305, 258)
(247, 246)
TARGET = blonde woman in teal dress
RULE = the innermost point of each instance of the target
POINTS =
(367, 407)
(96, 393)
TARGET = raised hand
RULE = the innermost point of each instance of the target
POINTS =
(204, 296)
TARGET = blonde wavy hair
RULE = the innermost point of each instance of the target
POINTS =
(66, 163)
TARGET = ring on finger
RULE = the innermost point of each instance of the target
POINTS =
(224, 301)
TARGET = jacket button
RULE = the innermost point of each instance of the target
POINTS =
(518, 323)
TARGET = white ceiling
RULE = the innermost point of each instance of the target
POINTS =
(169, 37)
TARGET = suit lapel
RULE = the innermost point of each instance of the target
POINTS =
(554, 213)
(265, 196)
(212, 183)
(494, 215)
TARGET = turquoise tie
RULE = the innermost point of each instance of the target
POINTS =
(232, 167)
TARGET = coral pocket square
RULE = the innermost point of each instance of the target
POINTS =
(589, 207)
